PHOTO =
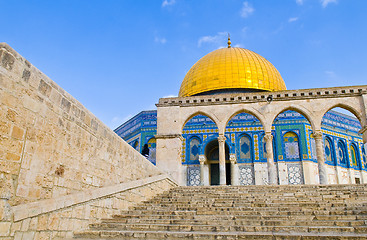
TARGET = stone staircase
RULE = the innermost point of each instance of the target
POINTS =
(243, 212)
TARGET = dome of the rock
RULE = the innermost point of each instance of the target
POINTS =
(231, 70)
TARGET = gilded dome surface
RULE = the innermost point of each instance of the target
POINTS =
(231, 69)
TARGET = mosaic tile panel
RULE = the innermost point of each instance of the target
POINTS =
(291, 150)
(342, 153)
(194, 149)
(295, 173)
(193, 176)
(245, 147)
(247, 175)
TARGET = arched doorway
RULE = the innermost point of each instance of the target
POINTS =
(244, 131)
(212, 156)
(196, 133)
(295, 148)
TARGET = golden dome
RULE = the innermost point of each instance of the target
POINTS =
(231, 69)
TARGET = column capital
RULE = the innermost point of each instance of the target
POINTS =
(202, 159)
(268, 136)
(233, 158)
(317, 134)
(221, 138)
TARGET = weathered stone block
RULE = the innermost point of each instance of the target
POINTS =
(42, 222)
(25, 224)
(5, 229)
(26, 75)
(44, 88)
(7, 60)
(29, 235)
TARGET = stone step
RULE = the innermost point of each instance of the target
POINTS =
(267, 196)
(272, 227)
(234, 217)
(172, 235)
(244, 212)
(259, 211)
(235, 222)
(249, 205)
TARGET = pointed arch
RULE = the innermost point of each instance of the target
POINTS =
(299, 109)
(352, 109)
(252, 112)
(197, 113)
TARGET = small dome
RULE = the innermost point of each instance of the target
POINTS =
(231, 70)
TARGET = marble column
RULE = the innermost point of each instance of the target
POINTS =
(222, 159)
(202, 161)
(234, 170)
(320, 157)
(272, 170)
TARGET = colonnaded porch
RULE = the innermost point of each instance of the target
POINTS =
(173, 113)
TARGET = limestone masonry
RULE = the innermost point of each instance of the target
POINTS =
(60, 167)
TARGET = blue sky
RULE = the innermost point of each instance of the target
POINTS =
(119, 57)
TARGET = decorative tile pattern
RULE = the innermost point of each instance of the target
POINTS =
(247, 176)
(194, 149)
(183, 154)
(329, 156)
(193, 176)
(295, 173)
(291, 146)
(364, 154)
(245, 147)
(256, 146)
(342, 154)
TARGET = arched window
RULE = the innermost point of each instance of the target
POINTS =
(136, 145)
(329, 151)
(245, 147)
(291, 145)
(342, 153)
(152, 143)
(194, 149)
(152, 150)
(354, 155)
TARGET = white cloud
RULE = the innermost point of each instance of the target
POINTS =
(246, 10)
(166, 3)
(299, 2)
(238, 45)
(160, 40)
(293, 19)
(330, 74)
(170, 96)
(244, 29)
(216, 39)
(324, 3)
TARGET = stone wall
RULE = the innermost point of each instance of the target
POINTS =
(50, 144)
(61, 217)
